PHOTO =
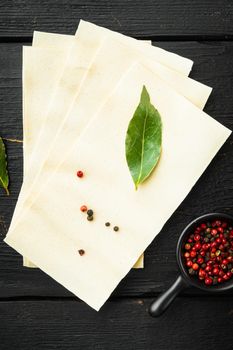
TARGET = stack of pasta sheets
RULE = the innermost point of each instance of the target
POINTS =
(79, 94)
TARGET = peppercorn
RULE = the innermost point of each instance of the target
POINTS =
(90, 218)
(107, 224)
(80, 173)
(200, 261)
(214, 232)
(197, 237)
(197, 246)
(208, 281)
(193, 254)
(116, 228)
(81, 252)
(216, 271)
(195, 267)
(83, 208)
(90, 212)
(218, 252)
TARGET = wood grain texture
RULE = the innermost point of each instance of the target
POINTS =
(190, 323)
(167, 18)
(213, 192)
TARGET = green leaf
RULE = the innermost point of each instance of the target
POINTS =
(143, 139)
(4, 179)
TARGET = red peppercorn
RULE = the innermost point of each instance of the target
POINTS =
(221, 273)
(83, 208)
(225, 277)
(200, 261)
(208, 268)
(220, 280)
(214, 232)
(187, 255)
(225, 262)
(202, 273)
(195, 266)
(208, 281)
(218, 223)
(187, 246)
(193, 254)
(215, 271)
(197, 246)
(197, 237)
(203, 226)
(220, 229)
(80, 173)
(210, 262)
(189, 263)
(202, 253)
(224, 224)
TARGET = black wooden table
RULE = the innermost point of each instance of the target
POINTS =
(36, 312)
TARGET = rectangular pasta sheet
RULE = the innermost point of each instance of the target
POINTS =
(42, 68)
(52, 228)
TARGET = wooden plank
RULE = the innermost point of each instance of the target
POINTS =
(190, 323)
(167, 18)
(213, 192)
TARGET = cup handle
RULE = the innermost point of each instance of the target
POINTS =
(164, 300)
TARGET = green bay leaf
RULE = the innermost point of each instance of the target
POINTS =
(4, 179)
(143, 140)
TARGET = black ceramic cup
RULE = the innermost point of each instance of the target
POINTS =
(184, 279)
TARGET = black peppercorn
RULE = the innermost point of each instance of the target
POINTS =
(107, 224)
(116, 228)
(191, 271)
(81, 252)
(90, 218)
(90, 212)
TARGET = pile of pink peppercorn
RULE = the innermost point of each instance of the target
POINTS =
(208, 252)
